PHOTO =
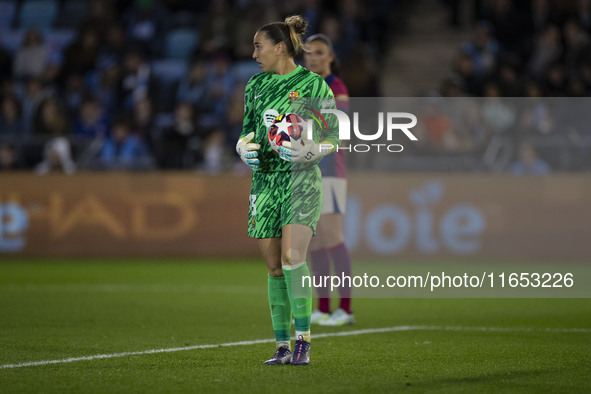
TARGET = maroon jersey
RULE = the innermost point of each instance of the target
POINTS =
(334, 165)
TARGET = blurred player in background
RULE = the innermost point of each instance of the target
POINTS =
(284, 225)
(328, 243)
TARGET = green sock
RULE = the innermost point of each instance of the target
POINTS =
(300, 296)
(280, 307)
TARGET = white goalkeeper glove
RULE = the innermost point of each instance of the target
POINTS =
(309, 151)
(248, 151)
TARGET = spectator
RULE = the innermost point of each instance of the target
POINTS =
(57, 157)
(115, 43)
(509, 80)
(536, 117)
(483, 50)
(145, 22)
(575, 87)
(496, 112)
(192, 87)
(81, 55)
(123, 150)
(34, 94)
(577, 48)
(452, 86)
(528, 163)
(214, 152)
(11, 88)
(73, 93)
(554, 80)
(219, 85)
(11, 121)
(136, 79)
(51, 119)
(92, 121)
(8, 158)
(32, 57)
(472, 83)
(547, 50)
(178, 138)
(476, 133)
(100, 16)
(543, 14)
(104, 83)
(437, 128)
(143, 124)
(101, 61)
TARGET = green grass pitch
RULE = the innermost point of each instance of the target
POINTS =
(57, 310)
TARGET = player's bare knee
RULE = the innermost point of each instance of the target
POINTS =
(291, 257)
(286, 258)
(335, 239)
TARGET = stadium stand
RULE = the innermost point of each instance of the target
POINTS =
(549, 59)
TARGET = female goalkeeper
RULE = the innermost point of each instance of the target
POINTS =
(286, 189)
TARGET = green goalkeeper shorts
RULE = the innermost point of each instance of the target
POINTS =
(281, 198)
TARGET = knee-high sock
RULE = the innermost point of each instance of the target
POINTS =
(300, 296)
(342, 266)
(320, 264)
(280, 307)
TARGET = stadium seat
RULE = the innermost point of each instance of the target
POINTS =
(180, 43)
(38, 13)
(7, 12)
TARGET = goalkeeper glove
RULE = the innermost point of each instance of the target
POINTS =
(248, 151)
(306, 152)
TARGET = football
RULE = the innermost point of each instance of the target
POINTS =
(286, 127)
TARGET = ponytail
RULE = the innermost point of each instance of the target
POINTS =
(297, 28)
(289, 32)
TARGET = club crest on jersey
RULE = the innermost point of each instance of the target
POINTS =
(293, 96)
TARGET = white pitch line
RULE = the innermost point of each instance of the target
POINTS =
(269, 340)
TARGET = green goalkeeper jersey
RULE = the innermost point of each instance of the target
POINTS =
(268, 95)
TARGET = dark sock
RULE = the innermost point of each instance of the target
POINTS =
(320, 265)
(342, 266)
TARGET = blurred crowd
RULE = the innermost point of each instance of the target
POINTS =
(536, 49)
(525, 48)
(151, 84)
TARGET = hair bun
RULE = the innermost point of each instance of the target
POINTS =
(297, 23)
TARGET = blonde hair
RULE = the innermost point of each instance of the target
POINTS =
(290, 32)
